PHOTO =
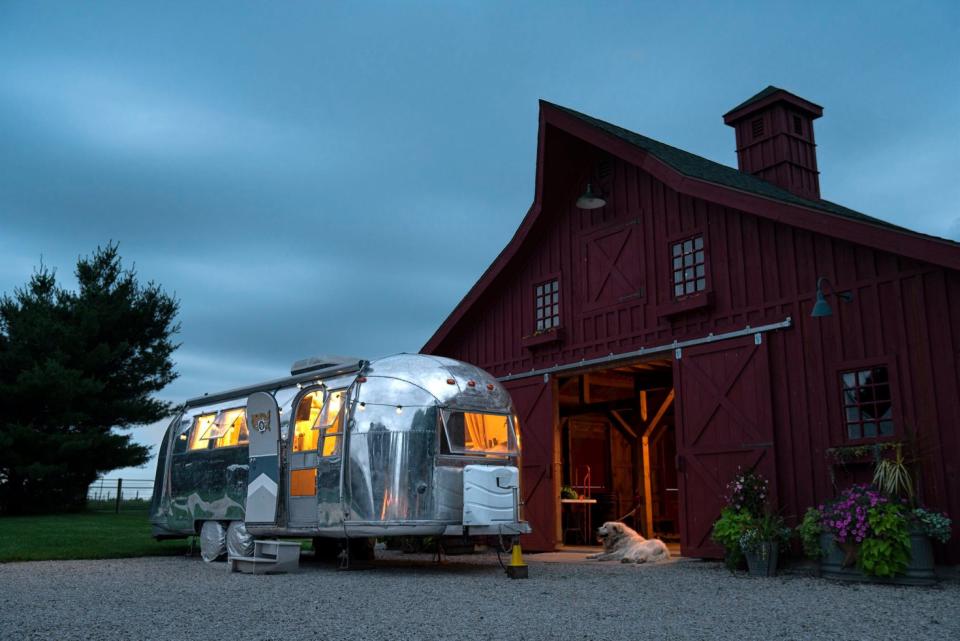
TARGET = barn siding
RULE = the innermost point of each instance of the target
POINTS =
(759, 271)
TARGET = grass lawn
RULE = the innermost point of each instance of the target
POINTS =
(84, 535)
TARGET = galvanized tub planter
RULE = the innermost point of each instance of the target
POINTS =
(920, 570)
(762, 559)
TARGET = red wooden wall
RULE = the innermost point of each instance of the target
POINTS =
(615, 271)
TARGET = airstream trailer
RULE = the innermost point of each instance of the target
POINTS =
(408, 445)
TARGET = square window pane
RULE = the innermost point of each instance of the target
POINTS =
(688, 273)
(678, 277)
(882, 392)
(701, 284)
(849, 380)
(556, 297)
(556, 286)
(853, 414)
(865, 377)
(870, 429)
(886, 428)
(556, 310)
(689, 287)
(677, 262)
(678, 290)
(687, 246)
(539, 325)
(688, 260)
(677, 249)
(539, 290)
(539, 301)
(547, 323)
(539, 313)
(700, 270)
(853, 431)
(698, 242)
(699, 256)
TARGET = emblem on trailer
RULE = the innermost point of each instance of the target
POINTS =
(261, 421)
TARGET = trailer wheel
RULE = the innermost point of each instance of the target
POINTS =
(213, 541)
(239, 541)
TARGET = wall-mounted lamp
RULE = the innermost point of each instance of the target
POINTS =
(821, 307)
(590, 200)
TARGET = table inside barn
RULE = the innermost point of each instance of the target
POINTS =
(578, 518)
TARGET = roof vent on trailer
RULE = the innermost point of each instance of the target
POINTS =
(323, 361)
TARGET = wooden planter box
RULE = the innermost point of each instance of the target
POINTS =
(920, 570)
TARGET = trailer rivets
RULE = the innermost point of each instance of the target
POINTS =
(471, 383)
(363, 406)
(450, 381)
(399, 409)
(490, 386)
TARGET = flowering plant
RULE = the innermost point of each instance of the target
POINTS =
(934, 524)
(768, 528)
(748, 492)
(847, 516)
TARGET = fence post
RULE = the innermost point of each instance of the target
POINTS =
(119, 493)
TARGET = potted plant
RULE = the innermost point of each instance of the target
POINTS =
(761, 541)
(746, 501)
(865, 534)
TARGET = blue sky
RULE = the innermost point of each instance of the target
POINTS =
(333, 177)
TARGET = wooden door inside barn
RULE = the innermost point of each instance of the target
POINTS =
(533, 401)
(724, 423)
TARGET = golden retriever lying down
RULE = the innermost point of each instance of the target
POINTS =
(621, 543)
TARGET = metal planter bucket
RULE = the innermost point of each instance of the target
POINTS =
(920, 570)
(762, 560)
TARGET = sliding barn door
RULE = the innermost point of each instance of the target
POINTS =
(533, 403)
(724, 422)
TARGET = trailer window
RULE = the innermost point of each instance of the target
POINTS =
(476, 433)
(201, 424)
(330, 423)
(223, 429)
(308, 410)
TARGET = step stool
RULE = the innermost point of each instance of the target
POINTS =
(269, 557)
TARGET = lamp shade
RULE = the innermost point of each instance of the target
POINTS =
(821, 308)
(590, 200)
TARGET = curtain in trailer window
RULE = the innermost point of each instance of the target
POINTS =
(305, 434)
(473, 432)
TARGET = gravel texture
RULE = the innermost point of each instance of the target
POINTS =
(407, 597)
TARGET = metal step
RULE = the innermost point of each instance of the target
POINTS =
(269, 557)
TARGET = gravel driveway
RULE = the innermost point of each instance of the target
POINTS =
(405, 597)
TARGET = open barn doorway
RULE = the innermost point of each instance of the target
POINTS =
(618, 451)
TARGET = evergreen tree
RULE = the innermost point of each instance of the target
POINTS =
(74, 365)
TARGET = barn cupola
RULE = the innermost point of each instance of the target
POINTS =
(775, 140)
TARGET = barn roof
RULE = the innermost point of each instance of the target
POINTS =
(702, 178)
(699, 167)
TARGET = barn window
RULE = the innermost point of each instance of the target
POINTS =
(798, 125)
(689, 266)
(547, 305)
(757, 127)
(867, 404)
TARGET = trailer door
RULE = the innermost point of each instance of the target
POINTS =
(263, 424)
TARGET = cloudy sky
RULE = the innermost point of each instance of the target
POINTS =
(331, 177)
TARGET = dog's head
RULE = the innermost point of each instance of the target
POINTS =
(609, 533)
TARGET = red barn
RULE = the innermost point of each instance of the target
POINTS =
(656, 332)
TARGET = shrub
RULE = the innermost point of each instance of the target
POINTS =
(727, 531)
(747, 491)
(886, 551)
(933, 524)
(809, 532)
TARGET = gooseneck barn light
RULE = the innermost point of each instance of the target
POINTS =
(821, 307)
(590, 200)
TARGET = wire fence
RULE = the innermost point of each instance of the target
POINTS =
(119, 494)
